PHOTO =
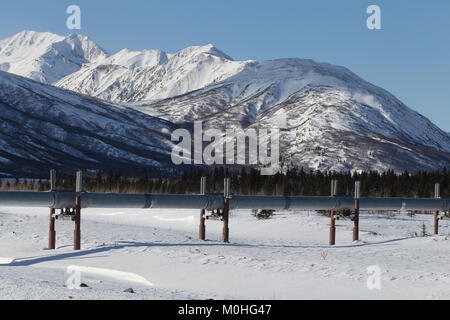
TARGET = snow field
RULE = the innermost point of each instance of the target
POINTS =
(156, 252)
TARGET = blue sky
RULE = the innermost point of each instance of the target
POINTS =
(410, 56)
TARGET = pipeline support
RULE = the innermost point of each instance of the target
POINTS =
(436, 222)
(77, 231)
(332, 228)
(52, 231)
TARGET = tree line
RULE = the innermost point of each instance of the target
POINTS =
(251, 182)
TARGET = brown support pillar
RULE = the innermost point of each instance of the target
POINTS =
(356, 221)
(437, 195)
(436, 222)
(226, 230)
(77, 231)
(202, 228)
(226, 209)
(332, 228)
(332, 241)
(52, 232)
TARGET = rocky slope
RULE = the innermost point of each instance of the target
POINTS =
(329, 117)
(44, 127)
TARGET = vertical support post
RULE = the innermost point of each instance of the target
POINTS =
(52, 180)
(436, 222)
(333, 188)
(356, 220)
(226, 210)
(77, 231)
(332, 241)
(51, 228)
(52, 231)
(437, 195)
(202, 227)
(332, 228)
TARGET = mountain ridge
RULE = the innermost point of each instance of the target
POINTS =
(189, 69)
(46, 57)
(46, 127)
(329, 117)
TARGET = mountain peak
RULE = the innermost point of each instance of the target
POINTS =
(153, 74)
(136, 59)
(205, 49)
(33, 33)
(26, 39)
(47, 57)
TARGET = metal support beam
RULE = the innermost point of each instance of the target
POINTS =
(226, 215)
(202, 227)
(77, 231)
(437, 190)
(334, 187)
(79, 182)
(226, 210)
(52, 231)
(437, 195)
(436, 222)
(52, 180)
(356, 219)
(332, 218)
(51, 228)
(332, 228)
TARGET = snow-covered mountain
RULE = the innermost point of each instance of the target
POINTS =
(329, 117)
(47, 57)
(130, 76)
(77, 63)
(46, 127)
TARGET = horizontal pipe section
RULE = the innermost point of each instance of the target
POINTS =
(57, 200)
(27, 199)
(404, 204)
(315, 203)
(186, 201)
(63, 199)
(114, 200)
(258, 202)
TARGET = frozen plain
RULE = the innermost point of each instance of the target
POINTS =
(156, 252)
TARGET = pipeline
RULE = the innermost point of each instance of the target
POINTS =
(66, 199)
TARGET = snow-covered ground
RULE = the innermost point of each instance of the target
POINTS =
(156, 252)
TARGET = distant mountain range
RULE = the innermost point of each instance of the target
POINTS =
(330, 118)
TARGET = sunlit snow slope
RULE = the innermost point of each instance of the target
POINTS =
(47, 57)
